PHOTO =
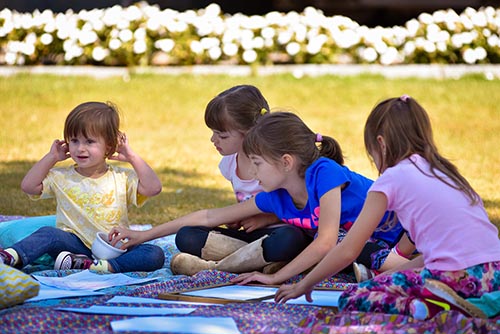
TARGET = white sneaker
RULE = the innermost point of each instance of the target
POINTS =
(6, 258)
(362, 273)
(66, 260)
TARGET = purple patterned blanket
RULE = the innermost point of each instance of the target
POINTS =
(42, 316)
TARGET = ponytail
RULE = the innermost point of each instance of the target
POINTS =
(330, 148)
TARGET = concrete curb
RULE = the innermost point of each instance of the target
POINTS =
(396, 71)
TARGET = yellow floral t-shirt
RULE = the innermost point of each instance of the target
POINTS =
(86, 205)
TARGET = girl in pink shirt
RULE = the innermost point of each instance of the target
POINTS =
(442, 213)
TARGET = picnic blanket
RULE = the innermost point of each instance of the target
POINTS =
(42, 316)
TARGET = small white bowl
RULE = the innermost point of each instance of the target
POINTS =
(102, 249)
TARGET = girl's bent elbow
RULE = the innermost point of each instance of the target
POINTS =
(156, 191)
(151, 191)
(24, 190)
(30, 190)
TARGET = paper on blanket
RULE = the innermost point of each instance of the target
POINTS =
(126, 310)
(329, 298)
(87, 280)
(143, 300)
(191, 325)
(49, 292)
(236, 292)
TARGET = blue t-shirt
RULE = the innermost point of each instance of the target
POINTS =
(322, 176)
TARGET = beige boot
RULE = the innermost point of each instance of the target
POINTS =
(218, 246)
(247, 258)
(187, 264)
(273, 267)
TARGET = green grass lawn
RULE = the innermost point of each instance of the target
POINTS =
(163, 119)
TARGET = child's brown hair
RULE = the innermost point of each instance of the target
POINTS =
(406, 128)
(237, 108)
(280, 133)
(94, 119)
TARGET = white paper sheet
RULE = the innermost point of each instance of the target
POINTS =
(87, 280)
(191, 325)
(122, 310)
(49, 292)
(142, 300)
(320, 298)
(237, 292)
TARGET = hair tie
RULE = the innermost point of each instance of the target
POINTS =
(263, 111)
(319, 138)
(404, 98)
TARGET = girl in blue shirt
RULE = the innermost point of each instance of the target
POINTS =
(305, 185)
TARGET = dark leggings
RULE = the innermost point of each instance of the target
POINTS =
(283, 243)
(373, 255)
(375, 252)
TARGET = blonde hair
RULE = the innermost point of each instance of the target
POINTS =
(94, 119)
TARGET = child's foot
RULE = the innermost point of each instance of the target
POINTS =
(443, 291)
(442, 298)
(362, 273)
(67, 260)
(6, 258)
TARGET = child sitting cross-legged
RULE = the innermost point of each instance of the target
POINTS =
(437, 206)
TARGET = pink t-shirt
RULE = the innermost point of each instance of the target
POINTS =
(449, 232)
(243, 189)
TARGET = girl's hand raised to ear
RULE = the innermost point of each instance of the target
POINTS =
(59, 150)
(123, 150)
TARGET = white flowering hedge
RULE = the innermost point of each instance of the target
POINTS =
(142, 35)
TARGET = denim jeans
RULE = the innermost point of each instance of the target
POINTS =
(52, 241)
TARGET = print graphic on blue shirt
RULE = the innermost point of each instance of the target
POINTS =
(322, 176)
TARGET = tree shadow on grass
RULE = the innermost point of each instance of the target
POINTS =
(12, 200)
(181, 194)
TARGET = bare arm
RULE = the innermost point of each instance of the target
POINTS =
(328, 227)
(417, 262)
(258, 221)
(32, 181)
(149, 183)
(344, 253)
(208, 218)
(405, 246)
